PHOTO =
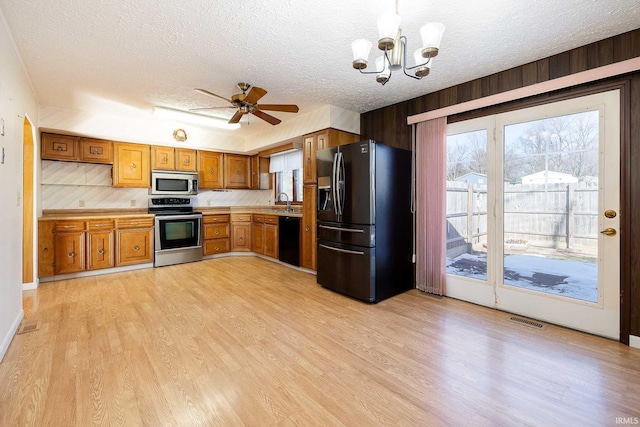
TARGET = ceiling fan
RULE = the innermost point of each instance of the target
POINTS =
(246, 103)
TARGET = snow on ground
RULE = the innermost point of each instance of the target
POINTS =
(569, 278)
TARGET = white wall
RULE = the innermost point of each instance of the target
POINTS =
(16, 100)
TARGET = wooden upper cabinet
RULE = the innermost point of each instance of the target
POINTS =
(59, 147)
(236, 171)
(131, 167)
(162, 158)
(210, 170)
(186, 160)
(96, 150)
(319, 141)
(260, 178)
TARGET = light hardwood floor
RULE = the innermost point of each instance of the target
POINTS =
(243, 341)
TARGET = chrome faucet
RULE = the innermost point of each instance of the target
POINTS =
(288, 201)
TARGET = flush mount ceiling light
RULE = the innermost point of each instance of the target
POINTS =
(394, 47)
(197, 119)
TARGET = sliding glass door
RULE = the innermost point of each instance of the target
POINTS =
(532, 212)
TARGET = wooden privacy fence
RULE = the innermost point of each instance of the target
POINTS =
(554, 215)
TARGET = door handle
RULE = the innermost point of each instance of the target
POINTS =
(609, 231)
(346, 251)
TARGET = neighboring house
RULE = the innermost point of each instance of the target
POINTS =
(473, 178)
(549, 177)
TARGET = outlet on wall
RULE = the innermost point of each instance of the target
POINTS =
(81, 203)
(133, 203)
(208, 202)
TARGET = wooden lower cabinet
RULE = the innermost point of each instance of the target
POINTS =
(215, 234)
(241, 232)
(46, 245)
(100, 251)
(264, 230)
(69, 252)
(134, 246)
(308, 249)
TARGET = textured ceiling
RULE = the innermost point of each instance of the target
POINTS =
(97, 54)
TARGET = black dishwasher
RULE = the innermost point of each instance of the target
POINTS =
(289, 240)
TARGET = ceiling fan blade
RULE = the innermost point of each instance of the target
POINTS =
(206, 92)
(266, 117)
(255, 93)
(236, 117)
(210, 108)
(286, 108)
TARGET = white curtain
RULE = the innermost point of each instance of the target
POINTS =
(285, 162)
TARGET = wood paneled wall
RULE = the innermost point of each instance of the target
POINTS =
(389, 124)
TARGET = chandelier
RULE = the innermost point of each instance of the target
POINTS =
(394, 47)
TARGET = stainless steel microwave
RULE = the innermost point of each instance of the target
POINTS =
(174, 183)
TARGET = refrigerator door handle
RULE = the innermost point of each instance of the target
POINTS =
(334, 183)
(346, 251)
(342, 178)
(348, 230)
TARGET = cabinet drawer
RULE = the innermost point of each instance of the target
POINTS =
(96, 151)
(209, 219)
(59, 147)
(106, 224)
(215, 246)
(135, 223)
(71, 225)
(245, 217)
(216, 231)
(265, 219)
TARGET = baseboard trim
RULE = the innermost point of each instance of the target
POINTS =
(634, 341)
(95, 272)
(12, 332)
(29, 286)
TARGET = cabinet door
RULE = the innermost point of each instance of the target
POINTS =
(100, 250)
(69, 253)
(309, 156)
(309, 200)
(322, 141)
(257, 238)
(236, 171)
(45, 248)
(210, 169)
(134, 247)
(96, 150)
(255, 172)
(186, 160)
(241, 237)
(271, 240)
(162, 158)
(131, 166)
(59, 147)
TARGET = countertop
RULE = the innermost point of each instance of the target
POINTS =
(85, 214)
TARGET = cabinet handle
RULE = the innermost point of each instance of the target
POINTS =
(217, 248)
(307, 228)
(69, 226)
(136, 248)
(101, 251)
(133, 165)
(240, 239)
(58, 148)
(45, 250)
(238, 172)
(100, 225)
(134, 223)
(95, 151)
(186, 162)
(71, 254)
(165, 160)
(217, 232)
(211, 171)
(308, 160)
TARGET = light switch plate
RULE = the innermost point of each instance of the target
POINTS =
(2, 157)
(1, 127)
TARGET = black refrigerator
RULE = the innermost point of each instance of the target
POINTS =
(364, 220)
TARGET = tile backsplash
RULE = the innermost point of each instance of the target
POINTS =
(71, 185)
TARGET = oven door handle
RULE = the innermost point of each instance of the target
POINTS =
(186, 216)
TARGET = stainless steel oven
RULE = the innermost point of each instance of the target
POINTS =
(177, 231)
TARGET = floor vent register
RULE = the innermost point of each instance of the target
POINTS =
(527, 322)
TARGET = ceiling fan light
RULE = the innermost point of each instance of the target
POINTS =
(388, 25)
(197, 119)
(361, 49)
(431, 35)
